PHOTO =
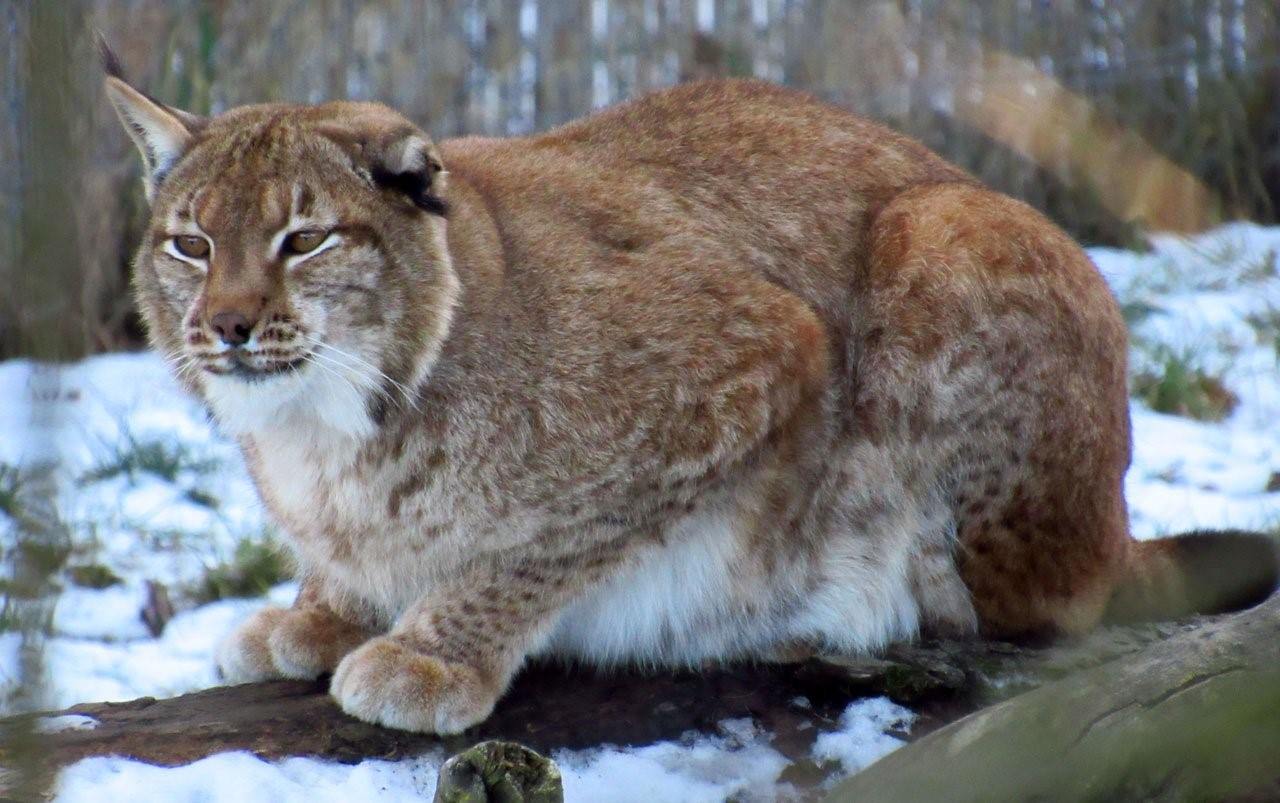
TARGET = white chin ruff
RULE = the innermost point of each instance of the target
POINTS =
(306, 396)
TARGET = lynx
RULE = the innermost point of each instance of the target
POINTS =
(720, 373)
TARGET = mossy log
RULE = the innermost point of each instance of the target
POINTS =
(1195, 717)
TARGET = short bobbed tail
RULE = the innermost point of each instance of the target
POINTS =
(1201, 572)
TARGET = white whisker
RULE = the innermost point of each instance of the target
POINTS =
(182, 363)
(409, 397)
(310, 359)
(363, 375)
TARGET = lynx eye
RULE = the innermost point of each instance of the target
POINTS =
(191, 245)
(303, 242)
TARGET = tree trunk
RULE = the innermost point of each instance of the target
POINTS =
(40, 307)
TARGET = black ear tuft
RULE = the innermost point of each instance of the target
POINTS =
(110, 61)
(416, 184)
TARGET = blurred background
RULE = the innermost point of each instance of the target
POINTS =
(1115, 117)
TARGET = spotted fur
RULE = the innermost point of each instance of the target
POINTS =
(721, 372)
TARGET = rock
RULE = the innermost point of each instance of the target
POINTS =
(499, 772)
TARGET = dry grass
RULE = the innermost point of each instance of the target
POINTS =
(1177, 384)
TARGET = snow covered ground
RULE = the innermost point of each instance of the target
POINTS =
(1212, 301)
(149, 491)
(737, 764)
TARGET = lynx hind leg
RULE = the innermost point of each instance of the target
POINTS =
(946, 609)
(302, 642)
(1018, 393)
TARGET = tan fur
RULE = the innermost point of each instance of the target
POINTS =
(720, 372)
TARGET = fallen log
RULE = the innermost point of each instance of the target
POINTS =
(1195, 717)
(548, 709)
(553, 707)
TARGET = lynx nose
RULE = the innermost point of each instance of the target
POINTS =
(232, 327)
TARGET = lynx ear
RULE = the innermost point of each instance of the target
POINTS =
(410, 164)
(161, 133)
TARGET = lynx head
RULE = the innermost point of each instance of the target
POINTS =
(295, 265)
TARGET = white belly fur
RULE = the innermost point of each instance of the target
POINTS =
(678, 605)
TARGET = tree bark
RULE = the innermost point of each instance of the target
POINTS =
(41, 302)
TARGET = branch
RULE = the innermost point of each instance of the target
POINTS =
(549, 708)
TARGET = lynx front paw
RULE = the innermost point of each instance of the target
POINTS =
(243, 655)
(286, 643)
(388, 683)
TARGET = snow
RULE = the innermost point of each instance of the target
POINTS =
(1189, 475)
(86, 416)
(864, 735)
(180, 661)
(737, 764)
(1210, 297)
(242, 778)
(66, 722)
(109, 614)
(1202, 293)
